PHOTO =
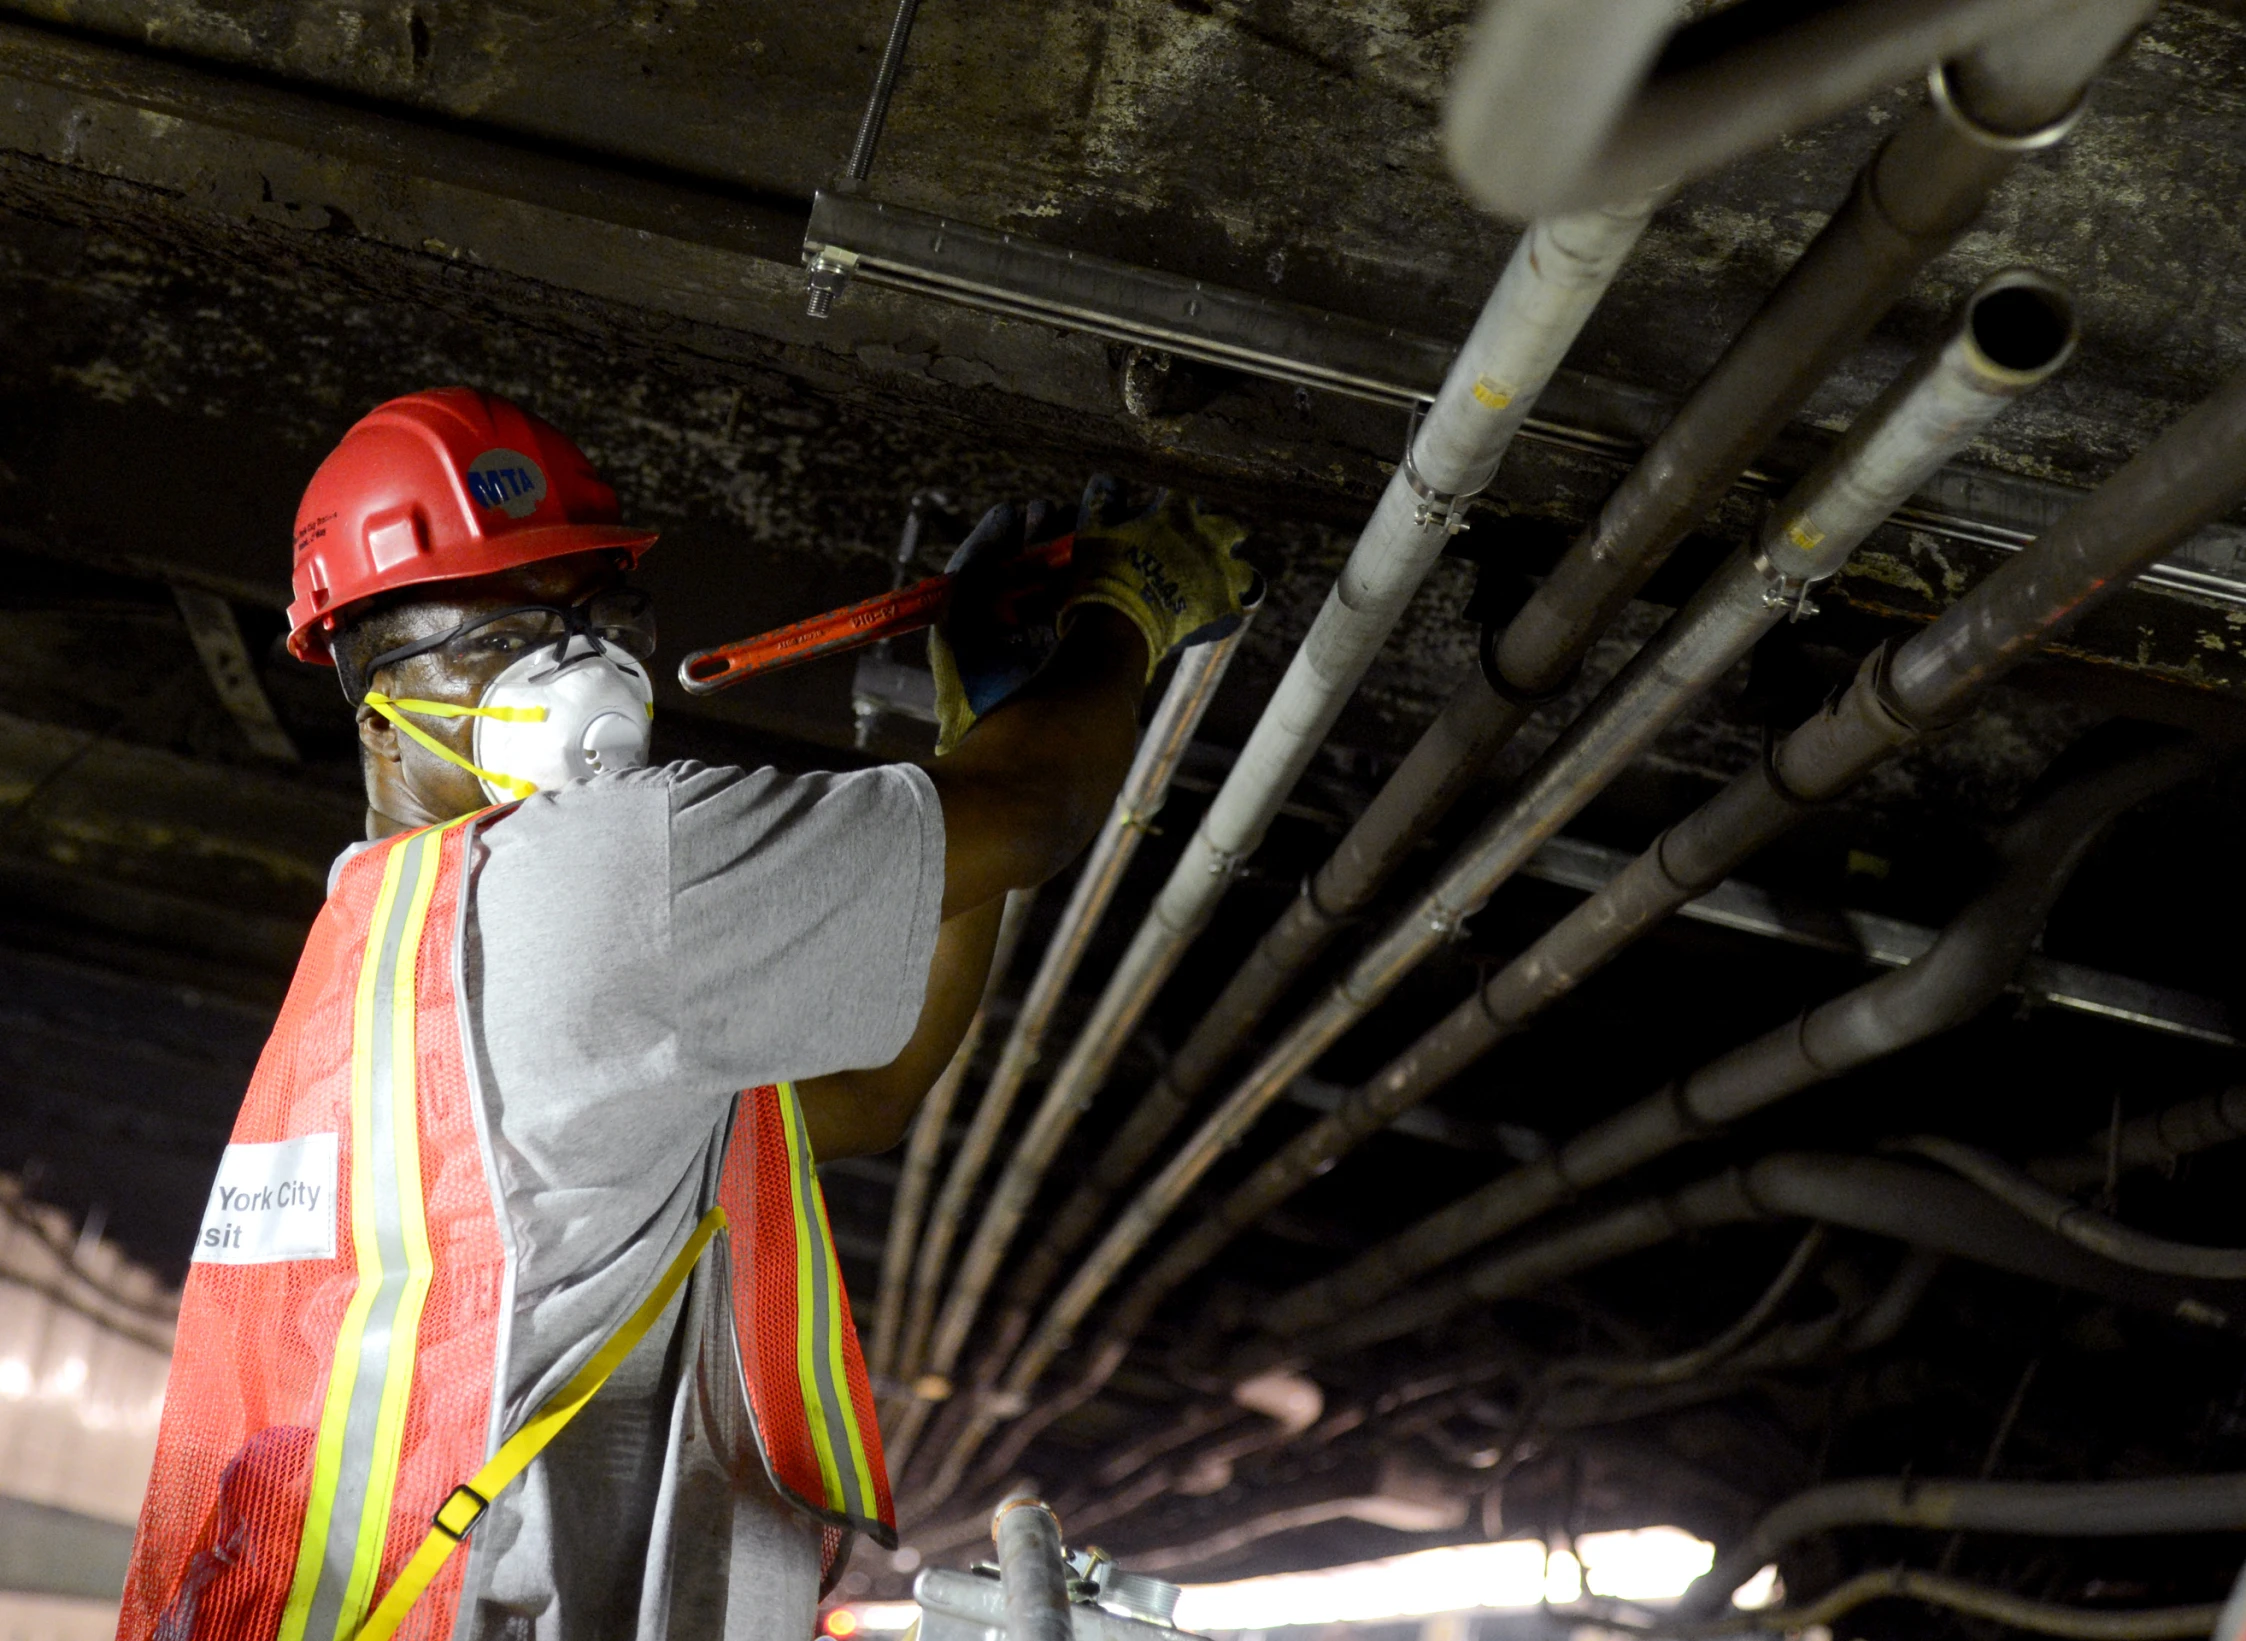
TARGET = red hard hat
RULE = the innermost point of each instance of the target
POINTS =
(440, 486)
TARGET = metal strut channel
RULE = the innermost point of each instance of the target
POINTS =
(1890, 943)
(1023, 278)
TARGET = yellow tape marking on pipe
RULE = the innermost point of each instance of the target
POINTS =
(1491, 395)
(1804, 534)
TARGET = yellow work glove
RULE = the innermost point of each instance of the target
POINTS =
(1171, 569)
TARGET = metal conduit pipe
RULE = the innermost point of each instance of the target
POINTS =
(1974, 1600)
(925, 1148)
(1200, 671)
(1585, 1405)
(1192, 685)
(1919, 191)
(1553, 103)
(1689, 1364)
(1914, 196)
(2099, 1509)
(1963, 973)
(2194, 472)
(1446, 760)
(1956, 387)
(1555, 278)
(2011, 333)
(2061, 1214)
(1031, 1572)
(2151, 1141)
(1913, 1205)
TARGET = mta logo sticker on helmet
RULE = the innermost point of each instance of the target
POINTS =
(507, 479)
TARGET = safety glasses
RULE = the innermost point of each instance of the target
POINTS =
(623, 618)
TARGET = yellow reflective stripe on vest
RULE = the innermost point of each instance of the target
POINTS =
(362, 1421)
(457, 1514)
(819, 1324)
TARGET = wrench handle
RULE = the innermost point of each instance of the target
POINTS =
(891, 615)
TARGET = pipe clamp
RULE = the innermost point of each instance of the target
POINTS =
(1435, 507)
(1786, 593)
(1225, 863)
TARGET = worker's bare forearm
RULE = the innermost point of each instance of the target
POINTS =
(1022, 795)
(1029, 786)
(855, 1113)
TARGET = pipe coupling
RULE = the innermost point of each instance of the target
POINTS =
(1445, 922)
(1020, 1501)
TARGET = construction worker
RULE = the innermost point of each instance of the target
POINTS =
(515, 1313)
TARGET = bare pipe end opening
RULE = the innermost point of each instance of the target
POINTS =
(2023, 322)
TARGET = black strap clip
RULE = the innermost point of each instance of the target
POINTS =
(462, 1509)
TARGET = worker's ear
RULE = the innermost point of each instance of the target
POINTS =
(378, 737)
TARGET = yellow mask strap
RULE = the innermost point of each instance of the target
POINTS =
(392, 707)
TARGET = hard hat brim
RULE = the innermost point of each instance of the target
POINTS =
(309, 638)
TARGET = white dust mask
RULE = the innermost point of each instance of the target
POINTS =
(547, 720)
(599, 710)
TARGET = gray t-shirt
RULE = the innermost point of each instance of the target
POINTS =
(640, 947)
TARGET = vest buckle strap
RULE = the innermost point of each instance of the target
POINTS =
(462, 1509)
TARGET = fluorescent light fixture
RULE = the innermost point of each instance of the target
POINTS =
(1645, 1564)
(880, 1617)
(1563, 1578)
(1453, 1579)
(1763, 1590)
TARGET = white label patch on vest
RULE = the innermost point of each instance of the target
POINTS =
(270, 1203)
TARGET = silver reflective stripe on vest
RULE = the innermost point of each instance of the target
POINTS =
(834, 1408)
(360, 1461)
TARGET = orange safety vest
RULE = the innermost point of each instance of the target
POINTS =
(336, 1369)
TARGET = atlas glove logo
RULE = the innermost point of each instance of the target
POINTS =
(508, 480)
(1160, 587)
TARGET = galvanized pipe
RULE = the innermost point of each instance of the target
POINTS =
(2010, 334)
(1614, 1372)
(2013, 332)
(1031, 1574)
(925, 1148)
(1927, 1210)
(1556, 102)
(1555, 278)
(1199, 672)
(1964, 972)
(2194, 473)
(2097, 1509)
(1192, 685)
(2011, 96)
(1975, 1601)
(2153, 1140)
(2063, 1216)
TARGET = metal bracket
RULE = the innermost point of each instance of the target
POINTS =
(1016, 276)
(226, 662)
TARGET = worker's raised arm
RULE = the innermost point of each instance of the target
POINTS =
(1036, 737)
(1025, 792)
